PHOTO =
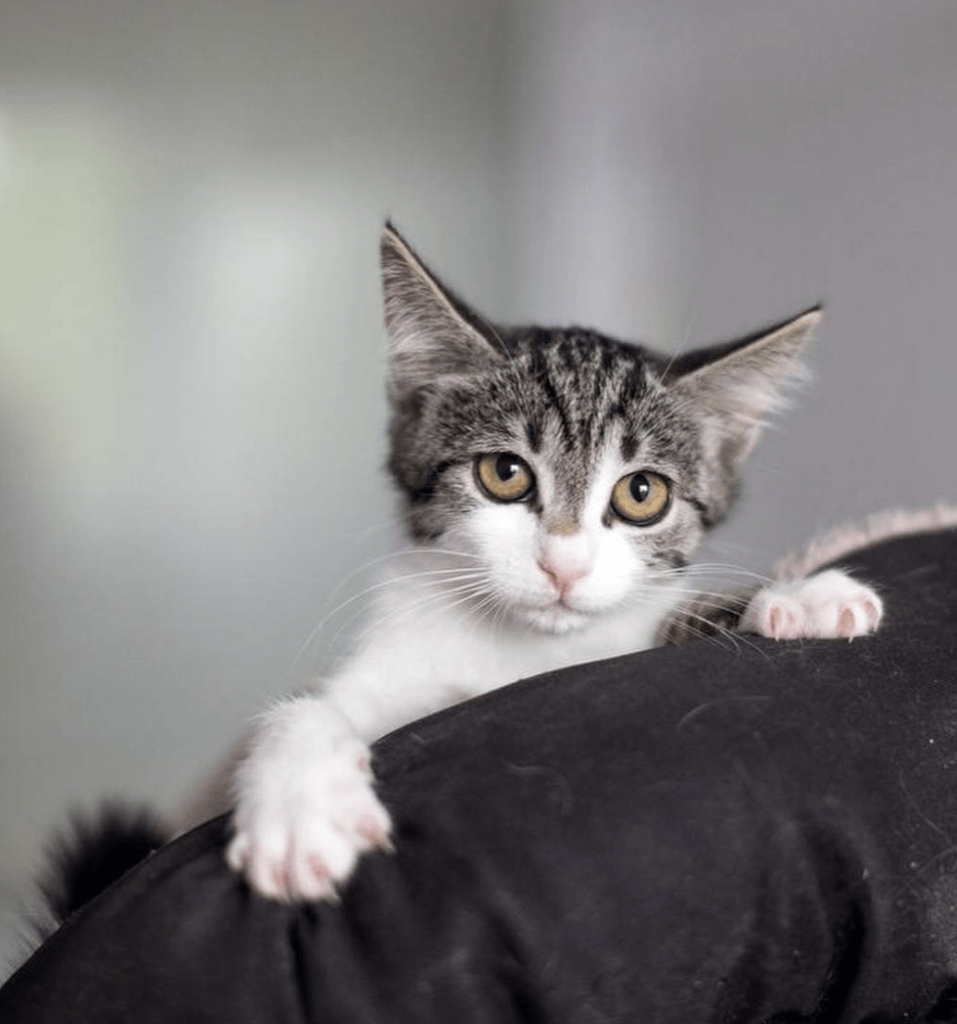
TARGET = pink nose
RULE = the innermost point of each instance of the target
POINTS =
(563, 574)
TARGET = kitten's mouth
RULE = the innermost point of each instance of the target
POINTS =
(569, 606)
(555, 617)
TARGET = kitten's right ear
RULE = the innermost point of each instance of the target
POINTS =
(432, 332)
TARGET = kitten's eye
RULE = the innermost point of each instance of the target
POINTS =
(641, 498)
(504, 476)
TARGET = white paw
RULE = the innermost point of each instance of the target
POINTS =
(825, 606)
(306, 809)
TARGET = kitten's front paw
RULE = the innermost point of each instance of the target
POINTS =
(826, 606)
(303, 819)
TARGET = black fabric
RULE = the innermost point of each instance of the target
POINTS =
(733, 831)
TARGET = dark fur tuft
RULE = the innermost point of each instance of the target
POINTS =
(94, 851)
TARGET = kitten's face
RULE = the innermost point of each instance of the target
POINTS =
(565, 469)
(577, 474)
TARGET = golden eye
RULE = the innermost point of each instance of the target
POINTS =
(641, 498)
(504, 476)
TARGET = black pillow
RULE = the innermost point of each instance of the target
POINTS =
(735, 830)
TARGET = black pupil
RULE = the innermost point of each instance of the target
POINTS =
(506, 466)
(640, 488)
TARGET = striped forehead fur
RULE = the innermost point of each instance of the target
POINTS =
(562, 394)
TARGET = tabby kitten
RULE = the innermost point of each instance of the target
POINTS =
(555, 485)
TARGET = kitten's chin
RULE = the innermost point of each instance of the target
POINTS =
(554, 618)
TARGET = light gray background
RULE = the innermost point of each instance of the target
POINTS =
(190, 340)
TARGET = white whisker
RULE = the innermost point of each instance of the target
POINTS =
(450, 574)
(438, 598)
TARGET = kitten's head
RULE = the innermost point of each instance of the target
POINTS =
(578, 471)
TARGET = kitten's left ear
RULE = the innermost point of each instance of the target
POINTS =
(432, 332)
(736, 385)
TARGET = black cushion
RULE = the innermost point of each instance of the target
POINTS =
(736, 830)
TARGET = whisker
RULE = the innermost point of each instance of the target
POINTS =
(452, 573)
(712, 631)
(439, 597)
(425, 604)
(736, 638)
(707, 568)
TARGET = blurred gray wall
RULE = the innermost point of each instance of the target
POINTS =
(190, 339)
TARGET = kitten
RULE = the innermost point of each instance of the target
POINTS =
(555, 485)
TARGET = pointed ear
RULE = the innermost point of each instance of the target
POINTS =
(432, 332)
(736, 385)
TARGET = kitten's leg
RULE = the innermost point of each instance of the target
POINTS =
(827, 605)
(305, 805)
